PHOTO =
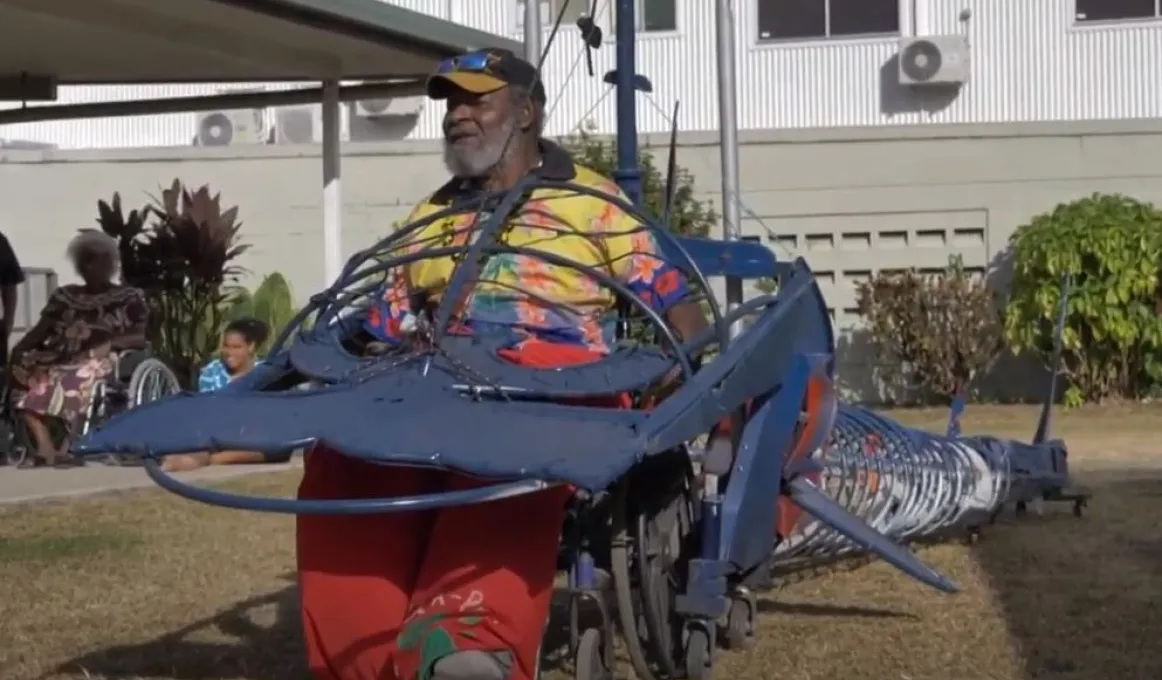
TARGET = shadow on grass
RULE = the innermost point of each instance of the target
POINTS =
(257, 652)
(1082, 598)
(767, 606)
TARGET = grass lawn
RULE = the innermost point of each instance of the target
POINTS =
(145, 585)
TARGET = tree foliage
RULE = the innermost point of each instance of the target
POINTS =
(1111, 246)
(689, 216)
(937, 332)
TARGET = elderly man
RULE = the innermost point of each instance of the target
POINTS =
(463, 593)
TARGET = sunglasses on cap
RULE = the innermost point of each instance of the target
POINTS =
(475, 61)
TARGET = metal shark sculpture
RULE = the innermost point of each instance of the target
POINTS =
(799, 478)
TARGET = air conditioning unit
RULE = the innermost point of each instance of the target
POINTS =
(393, 106)
(940, 60)
(224, 128)
(372, 108)
(297, 125)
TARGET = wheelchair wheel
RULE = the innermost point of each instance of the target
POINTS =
(654, 536)
(14, 439)
(697, 655)
(151, 380)
(591, 662)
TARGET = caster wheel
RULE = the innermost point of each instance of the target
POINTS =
(590, 662)
(15, 446)
(740, 626)
(16, 456)
(1021, 509)
(698, 655)
(1079, 507)
(973, 536)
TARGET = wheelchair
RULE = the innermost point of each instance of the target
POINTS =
(138, 378)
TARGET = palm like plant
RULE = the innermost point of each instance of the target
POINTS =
(180, 251)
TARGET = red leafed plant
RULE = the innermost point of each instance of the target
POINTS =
(181, 251)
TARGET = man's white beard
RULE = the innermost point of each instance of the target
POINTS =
(474, 163)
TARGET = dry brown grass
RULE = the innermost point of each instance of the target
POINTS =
(143, 585)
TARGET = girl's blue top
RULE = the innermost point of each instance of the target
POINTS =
(214, 376)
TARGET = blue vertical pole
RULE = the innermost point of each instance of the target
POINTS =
(628, 174)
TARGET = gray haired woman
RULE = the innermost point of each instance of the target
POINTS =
(57, 364)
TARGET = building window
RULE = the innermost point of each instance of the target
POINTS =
(1117, 10)
(656, 16)
(651, 16)
(800, 19)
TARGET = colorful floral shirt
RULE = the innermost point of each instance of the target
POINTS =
(523, 294)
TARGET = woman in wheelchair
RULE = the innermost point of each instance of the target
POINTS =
(237, 356)
(56, 365)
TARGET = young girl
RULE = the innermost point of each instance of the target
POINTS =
(237, 357)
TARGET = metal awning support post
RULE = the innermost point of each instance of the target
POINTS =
(728, 143)
(332, 195)
(533, 31)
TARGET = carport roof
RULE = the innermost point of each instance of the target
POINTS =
(172, 41)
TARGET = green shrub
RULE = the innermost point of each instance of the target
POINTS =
(936, 333)
(1111, 246)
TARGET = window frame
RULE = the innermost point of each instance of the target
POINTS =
(903, 28)
(1079, 23)
(608, 9)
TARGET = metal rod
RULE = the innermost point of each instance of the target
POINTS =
(224, 102)
(628, 174)
(728, 143)
(332, 193)
(533, 31)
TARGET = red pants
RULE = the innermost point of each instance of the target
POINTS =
(385, 596)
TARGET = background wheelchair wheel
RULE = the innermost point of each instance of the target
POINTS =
(591, 662)
(15, 441)
(152, 379)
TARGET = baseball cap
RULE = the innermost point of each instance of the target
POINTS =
(485, 71)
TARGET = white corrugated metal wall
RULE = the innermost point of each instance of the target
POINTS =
(1030, 62)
